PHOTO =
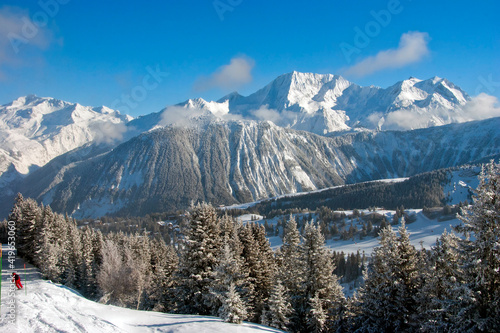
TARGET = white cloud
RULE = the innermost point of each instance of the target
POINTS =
(406, 120)
(412, 48)
(264, 113)
(19, 35)
(279, 118)
(482, 106)
(178, 115)
(108, 132)
(230, 76)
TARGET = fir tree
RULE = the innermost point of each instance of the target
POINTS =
(322, 292)
(317, 316)
(233, 309)
(164, 262)
(26, 213)
(117, 277)
(278, 310)
(391, 285)
(198, 260)
(443, 278)
(72, 252)
(481, 253)
(229, 271)
(86, 274)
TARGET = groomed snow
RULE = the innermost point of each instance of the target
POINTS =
(48, 307)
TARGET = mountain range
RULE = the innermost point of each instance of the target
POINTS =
(300, 132)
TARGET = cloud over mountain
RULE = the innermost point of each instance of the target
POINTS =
(412, 48)
(230, 76)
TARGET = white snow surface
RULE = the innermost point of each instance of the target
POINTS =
(49, 307)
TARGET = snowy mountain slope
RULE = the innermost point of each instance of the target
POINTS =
(48, 307)
(242, 161)
(34, 130)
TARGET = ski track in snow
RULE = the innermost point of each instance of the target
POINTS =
(45, 307)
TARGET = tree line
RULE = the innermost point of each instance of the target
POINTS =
(228, 269)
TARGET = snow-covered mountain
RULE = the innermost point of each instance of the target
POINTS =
(328, 103)
(301, 132)
(242, 161)
(34, 130)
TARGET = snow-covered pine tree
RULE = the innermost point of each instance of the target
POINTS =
(48, 251)
(26, 213)
(292, 270)
(443, 278)
(481, 253)
(316, 316)
(264, 269)
(233, 309)
(117, 276)
(229, 271)
(250, 258)
(72, 250)
(391, 285)
(322, 291)
(375, 296)
(278, 310)
(198, 260)
(164, 261)
(141, 255)
(85, 271)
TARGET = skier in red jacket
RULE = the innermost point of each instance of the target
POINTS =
(16, 278)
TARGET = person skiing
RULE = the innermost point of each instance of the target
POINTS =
(16, 278)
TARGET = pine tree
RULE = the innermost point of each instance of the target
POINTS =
(47, 252)
(278, 310)
(27, 215)
(164, 261)
(259, 263)
(481, 253)
(322, 293)
(292, 270)
(443, 278)
(72, 252)
(117, 277)
(86, 275)
(391, 285)
(141, 253)
(264, 269)
(229, 271)
(317, 316)
(233, 309)
(198, 260)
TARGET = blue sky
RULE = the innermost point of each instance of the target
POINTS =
(141, 56)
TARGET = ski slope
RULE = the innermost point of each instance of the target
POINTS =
(49, 307)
